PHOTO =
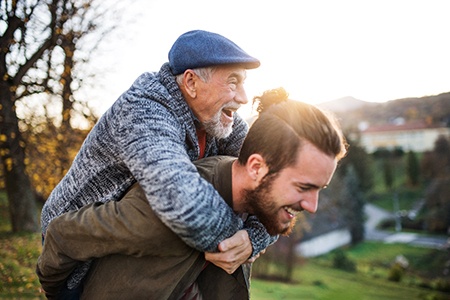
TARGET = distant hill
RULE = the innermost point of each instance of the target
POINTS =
(351, 111)
(344, 104)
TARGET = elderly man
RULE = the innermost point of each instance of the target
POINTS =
(289, 155)
(151, 135)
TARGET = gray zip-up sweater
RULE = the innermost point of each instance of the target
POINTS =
(148, 135)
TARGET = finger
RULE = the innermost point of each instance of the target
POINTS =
(238, 240)
(229, 244)
(223, 246)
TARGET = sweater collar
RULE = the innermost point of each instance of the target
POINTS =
(179, 106)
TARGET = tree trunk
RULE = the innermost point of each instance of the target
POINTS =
(290, 257)
(21, 199)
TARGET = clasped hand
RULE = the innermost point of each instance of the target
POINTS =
(234, 252)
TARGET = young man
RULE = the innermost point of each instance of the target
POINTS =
(289, 155)
(154, 131)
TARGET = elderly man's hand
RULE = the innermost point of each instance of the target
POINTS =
(234, 251)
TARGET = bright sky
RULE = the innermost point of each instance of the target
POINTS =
(317, 50)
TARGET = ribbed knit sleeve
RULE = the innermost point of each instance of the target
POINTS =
(148, 136)
(152, 147)
(258, 235)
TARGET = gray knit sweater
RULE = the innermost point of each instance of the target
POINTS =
(148, 135)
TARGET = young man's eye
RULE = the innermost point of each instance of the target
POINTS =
(303, 188)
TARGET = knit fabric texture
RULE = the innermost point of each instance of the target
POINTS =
(148, 135)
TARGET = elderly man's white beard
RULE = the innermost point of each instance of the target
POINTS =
(216, 128)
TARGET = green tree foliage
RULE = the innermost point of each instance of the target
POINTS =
(437, 205)
(436, 169)
(347, 203)
(352, 179)
(362, 164)
(436, 163)
(388, 174)
(354, 214)
(412, 168)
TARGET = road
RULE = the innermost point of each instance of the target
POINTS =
(375, 215)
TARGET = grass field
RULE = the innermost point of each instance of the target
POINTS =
(318, 282)
(314, 278)
(18, 255)
(317, 279)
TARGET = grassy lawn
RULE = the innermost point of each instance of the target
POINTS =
(381, 196)
(18, 255)
(318, 282)
(317, 279)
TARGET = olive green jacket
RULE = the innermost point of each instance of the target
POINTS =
(141, 258)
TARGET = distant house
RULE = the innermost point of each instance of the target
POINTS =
(417, 137)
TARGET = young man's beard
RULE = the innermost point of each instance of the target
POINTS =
(261, 204)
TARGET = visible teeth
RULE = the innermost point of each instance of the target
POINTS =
(291, 211)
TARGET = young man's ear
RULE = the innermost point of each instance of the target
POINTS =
(256, 167)
(189, 82)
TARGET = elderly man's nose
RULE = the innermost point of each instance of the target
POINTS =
(241, 96)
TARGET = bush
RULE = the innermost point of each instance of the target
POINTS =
(342, 262)
(442, 284)
(396, 272)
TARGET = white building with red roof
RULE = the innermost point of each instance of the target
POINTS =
(417, 136)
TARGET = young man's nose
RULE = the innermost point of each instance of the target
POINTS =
(310, 202)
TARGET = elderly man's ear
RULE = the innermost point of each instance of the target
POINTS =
(190, 83)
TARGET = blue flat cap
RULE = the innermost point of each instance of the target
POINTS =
(199, 49)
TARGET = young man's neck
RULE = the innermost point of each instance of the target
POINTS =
(239, 183)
